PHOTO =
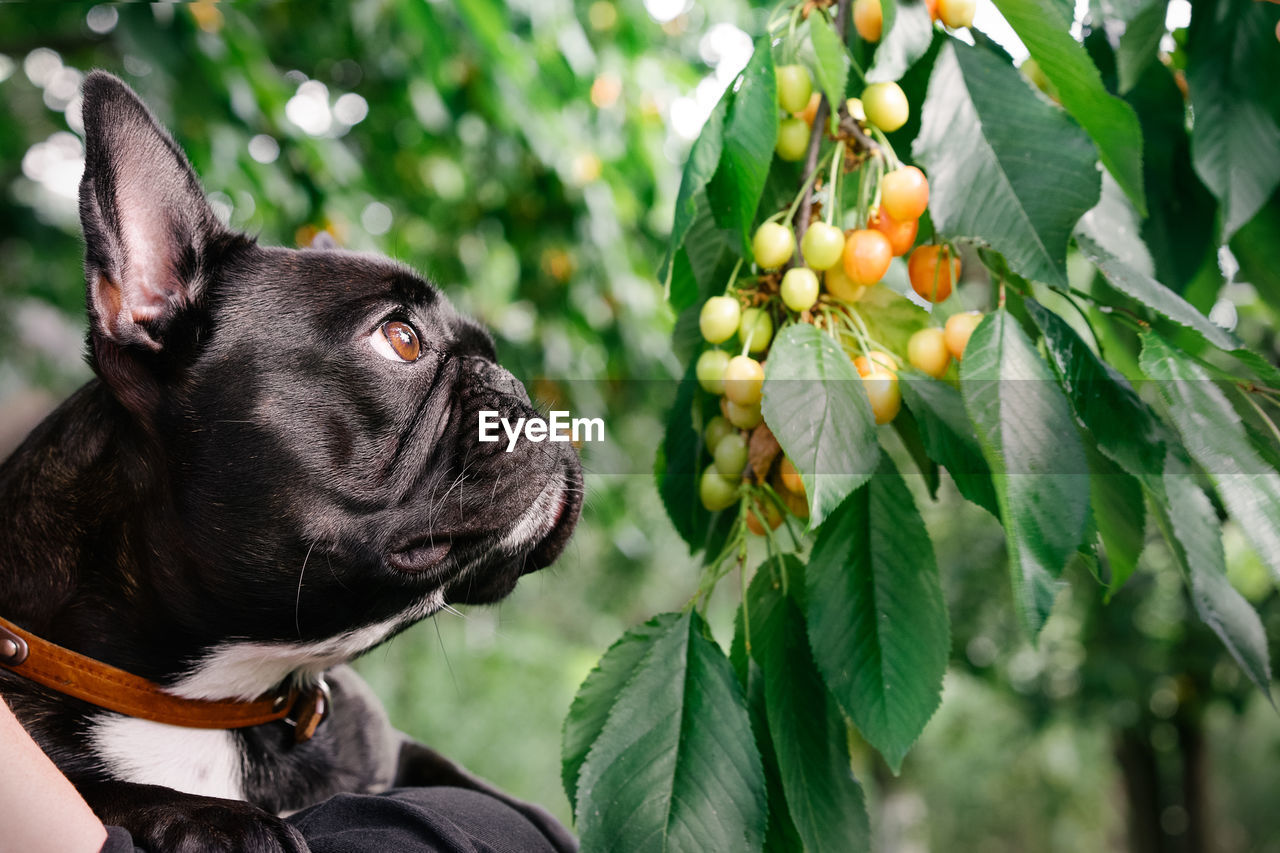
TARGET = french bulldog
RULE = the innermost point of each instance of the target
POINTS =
(275, 469)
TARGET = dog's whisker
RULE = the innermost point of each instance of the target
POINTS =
(448, 664)
(449, 608)
(297, 601)
(334, 574)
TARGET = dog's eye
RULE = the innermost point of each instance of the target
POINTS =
(397, 341)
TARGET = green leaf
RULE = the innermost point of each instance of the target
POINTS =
(1139, 42)
(1258, 251)
(781, 835)
(903, 44)
(1119, 513)
(750, 133)
(1153, 294)
(1109, 121)
(682, 284)
(877, 620)
(1190, 526)
(1181, 228)
(832, 59)
(1115, 225)
(595, 698)
(675, 766)
(1123, 426)
(1215, 437)
(1232, 69)
(889, 15)
(891, 318)
(1005, 167)
(679, 464)
(805, 725)
(704, 158)
(816, 406)
(1172, 307)
(1038, 465)
(702, 266)
(909, 432)
(948, 436)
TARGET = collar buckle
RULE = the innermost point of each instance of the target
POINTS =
(310, 710)
(13, 649)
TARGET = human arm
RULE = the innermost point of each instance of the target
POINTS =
(39, 808)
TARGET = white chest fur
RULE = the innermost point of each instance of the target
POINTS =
(208, 761)
(197, 761)
(247, 670)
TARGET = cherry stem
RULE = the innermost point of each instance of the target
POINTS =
(776, 20)
(874, 203)
(774, 561)
(856, 69)
(746, 345)
(791, 32)
(800, 198)
(712, 573)
(1084, 316)
(781, 505)
(867, 197)
(864, 334)
(733, 277)
(1262, 414)
(836, 160)
(884, 144)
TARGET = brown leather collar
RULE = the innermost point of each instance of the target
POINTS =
(84, 678)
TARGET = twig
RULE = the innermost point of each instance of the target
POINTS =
(1272, 395)
(815, 139)
(842, 19)
(1117, 311)
(849, 125)
(810, 166)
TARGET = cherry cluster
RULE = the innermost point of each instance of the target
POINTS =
(824, 282)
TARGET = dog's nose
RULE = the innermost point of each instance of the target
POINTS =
(497, 379)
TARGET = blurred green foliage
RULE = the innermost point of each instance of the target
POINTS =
(526, 156)
(517, 154)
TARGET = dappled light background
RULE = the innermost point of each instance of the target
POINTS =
(526, 157)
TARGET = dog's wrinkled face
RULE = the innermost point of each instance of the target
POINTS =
(314, 413)
(345, 441)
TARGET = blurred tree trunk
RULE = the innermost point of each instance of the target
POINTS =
(1148, 797)
(1141, 772)
(1195, 788)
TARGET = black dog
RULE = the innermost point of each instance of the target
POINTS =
(276, 469)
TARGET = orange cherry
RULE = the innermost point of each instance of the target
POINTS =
(867, 254)
(876, 360)
(933, 272)
(902, 235)
(904, 193)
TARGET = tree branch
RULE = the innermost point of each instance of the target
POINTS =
(815, 139)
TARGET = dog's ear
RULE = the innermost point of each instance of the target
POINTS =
(146, 222)
(323, 241)
(147, 230)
